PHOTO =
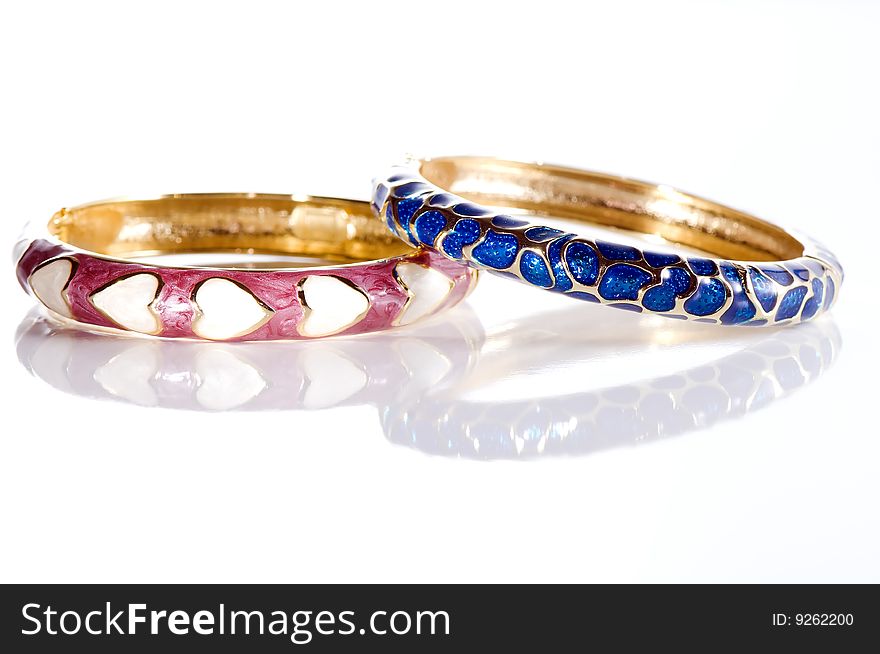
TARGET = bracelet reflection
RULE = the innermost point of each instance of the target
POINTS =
(527, 388)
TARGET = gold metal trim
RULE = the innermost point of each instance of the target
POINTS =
(307, 310)
(410, 294)
(198, 314)
(74, 266)
(151, 306)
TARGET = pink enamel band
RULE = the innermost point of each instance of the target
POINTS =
(93, 266)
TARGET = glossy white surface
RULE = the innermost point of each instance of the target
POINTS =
(48, 284)
(126, 375)
(226, 310)
(333, 305)
(670, 452)
(128, 303)
(225, 382)
(427, 289)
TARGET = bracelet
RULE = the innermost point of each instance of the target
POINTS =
(756, 273)
(94, 267)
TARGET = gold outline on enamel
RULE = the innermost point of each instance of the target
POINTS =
(411, 295)
(198, 314)
(150, 306)
(307, 310)
(74, 264)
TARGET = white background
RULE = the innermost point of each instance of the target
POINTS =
(769, 106)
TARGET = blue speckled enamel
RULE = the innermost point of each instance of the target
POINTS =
(496, 250)
(659, 298)
(406, 209)
(675, 283)
(428, 226)
(679, 279)
(617, 252)
(707, 299)
(765, 289)
(541, 234)
(465, 232)
(697, 288)
(703, 267)
(534, 270)
(554, 254)
(778, 274)
(791, 303)
(741, 308)
(799, 271)
(389, 218)
(583, 262)
(622, 281)
(660, 259)
(812, 306)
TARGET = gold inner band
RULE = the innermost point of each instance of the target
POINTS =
(613, 201)
(332, 229)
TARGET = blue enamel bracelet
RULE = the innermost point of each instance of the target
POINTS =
(755, 273)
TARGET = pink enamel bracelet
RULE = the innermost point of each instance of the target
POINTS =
(108, 265)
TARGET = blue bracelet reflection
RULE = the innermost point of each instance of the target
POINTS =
(433, 385)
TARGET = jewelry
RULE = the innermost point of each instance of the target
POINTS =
(94, 267)
(757, 274)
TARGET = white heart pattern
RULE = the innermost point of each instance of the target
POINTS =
(49, 282)
(331, 305)
(129, 303)
(427, 289)
(226, 310)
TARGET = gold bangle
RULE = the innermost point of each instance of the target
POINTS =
(91, 268)
(757, 274)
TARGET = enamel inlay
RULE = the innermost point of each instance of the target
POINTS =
(48, 283)
(226, 310)
(128, 302)
(427, 289)
(331, 305)
(619, 275)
